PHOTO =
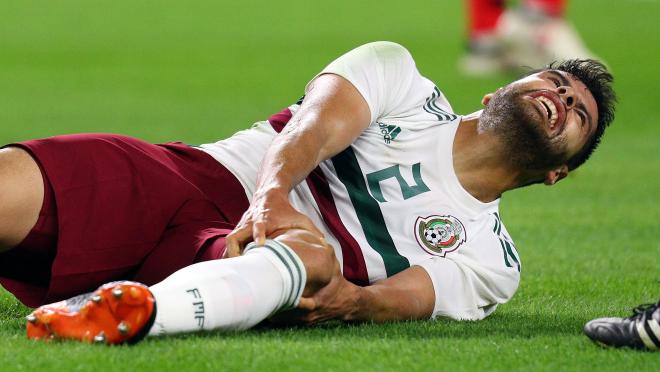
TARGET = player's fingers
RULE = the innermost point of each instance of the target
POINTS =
(236, 239)
(309, 318)
(231, 243)
(259, 233)
(307, 303)
(229, 247)
(231, 250)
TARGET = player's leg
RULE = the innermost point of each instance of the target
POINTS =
(484, 54)
(237, 293)
(229, 294)
(483, 16)
(538, 33)
(28, 225)
(551, 8)
(107, 203)
(21, 196)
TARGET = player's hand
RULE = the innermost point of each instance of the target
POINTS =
(337, 300)
(269, 212)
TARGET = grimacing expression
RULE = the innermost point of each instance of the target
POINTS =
(544, 119)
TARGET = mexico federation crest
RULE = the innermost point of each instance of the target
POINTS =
(439, 235)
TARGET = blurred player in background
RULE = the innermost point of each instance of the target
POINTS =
(531, 35)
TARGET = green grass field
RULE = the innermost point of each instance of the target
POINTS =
(197, 71)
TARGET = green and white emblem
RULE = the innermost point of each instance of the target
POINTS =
(439, 235)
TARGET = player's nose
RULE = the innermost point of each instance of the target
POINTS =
(567, 95)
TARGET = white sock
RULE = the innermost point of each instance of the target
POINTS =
(229, 294)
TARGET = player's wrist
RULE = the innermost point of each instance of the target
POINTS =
(272, 192)
(355, 298)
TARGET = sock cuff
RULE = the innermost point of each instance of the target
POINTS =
(290, 266)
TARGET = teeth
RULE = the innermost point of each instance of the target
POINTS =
(553, 109)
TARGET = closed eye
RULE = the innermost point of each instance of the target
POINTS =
(583, 118)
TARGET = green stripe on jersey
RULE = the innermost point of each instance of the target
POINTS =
(507, 245)
(506, 259)
(368, 211)
(513, 256)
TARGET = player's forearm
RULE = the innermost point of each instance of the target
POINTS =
(406, 296)
(290, 158)
(382, 305)
(330, 118)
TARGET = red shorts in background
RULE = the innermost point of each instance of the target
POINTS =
(119, 208)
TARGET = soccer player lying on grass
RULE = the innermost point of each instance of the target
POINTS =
(383, 205)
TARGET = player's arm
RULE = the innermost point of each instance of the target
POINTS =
(407, 295)
(330, 118)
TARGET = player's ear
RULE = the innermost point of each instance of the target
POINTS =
(486, 99)
(555, 175)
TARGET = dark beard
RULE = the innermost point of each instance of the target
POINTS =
(518, 126)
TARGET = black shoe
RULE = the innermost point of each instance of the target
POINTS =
(639, 331)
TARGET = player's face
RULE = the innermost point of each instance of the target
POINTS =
(551, 114)
(564, 105)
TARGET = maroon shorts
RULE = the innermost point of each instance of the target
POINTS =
(118, 208)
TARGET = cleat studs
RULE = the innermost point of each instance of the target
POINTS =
(123, 328)
(117, 293)
(96, 299)
(31, 318)
(134, 292)
(100, 338)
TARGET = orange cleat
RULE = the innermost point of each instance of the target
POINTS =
(116, 313)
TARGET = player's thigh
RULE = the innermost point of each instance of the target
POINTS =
(182, 245)
(21, 195)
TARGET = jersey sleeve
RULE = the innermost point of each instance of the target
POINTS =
(383, 72)
(469, 287)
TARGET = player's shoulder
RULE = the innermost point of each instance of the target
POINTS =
(389, 47)
(385, 51)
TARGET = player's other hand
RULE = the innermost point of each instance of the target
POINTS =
(328, 295)
(337, 300)
(269, 213)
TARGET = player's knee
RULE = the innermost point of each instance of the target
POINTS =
(317, 256)
(21, 195)
(323, 264)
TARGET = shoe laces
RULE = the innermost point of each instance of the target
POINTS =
(644, 311)
(75, 303)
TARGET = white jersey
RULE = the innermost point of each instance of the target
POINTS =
(392, 199)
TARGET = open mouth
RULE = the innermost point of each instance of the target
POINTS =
(551, 110)
(551, 105)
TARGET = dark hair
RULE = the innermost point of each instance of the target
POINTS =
(599, 82)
